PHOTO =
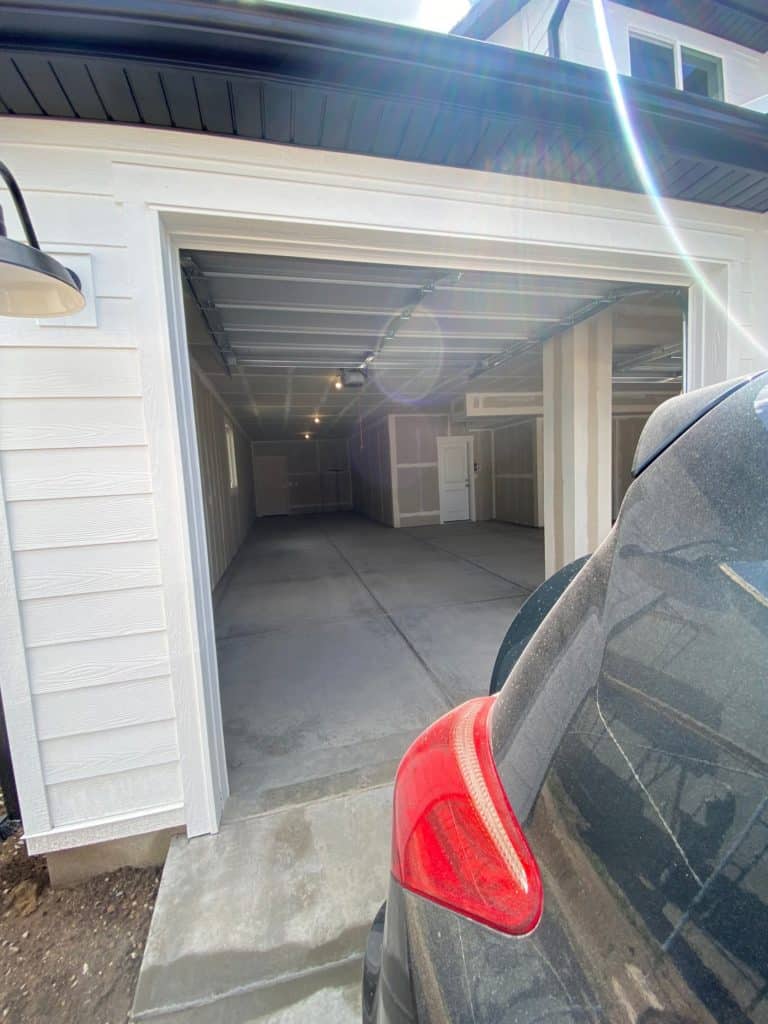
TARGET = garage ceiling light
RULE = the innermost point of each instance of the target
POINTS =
(354, 378)
(31, 282)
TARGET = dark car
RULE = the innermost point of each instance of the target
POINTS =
(590, 844)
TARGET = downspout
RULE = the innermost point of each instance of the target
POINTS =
(553, 29)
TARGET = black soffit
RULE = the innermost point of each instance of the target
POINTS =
(297, 77)
(740, 21)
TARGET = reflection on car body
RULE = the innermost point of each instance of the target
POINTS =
(632, 745)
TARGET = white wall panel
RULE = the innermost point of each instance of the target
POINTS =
(51, 620)
(77, 570)
(95, 799)
(62, 522)
(70, 422)
(68, 373)
(96, 709)
(109, 752)
(113, 331)
(75, 472)
(114, 659)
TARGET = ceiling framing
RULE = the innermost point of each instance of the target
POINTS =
(272, 334)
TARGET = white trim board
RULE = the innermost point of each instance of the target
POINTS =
(105, 829)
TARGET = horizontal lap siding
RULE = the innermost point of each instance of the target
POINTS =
(76, 473)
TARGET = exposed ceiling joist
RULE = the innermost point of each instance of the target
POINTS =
(292, 325)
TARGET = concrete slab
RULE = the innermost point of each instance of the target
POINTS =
(277, 900)
(460, 642)
(314, 702)
(434, 584)
(513, 552)
(281, 604)
(264, 564)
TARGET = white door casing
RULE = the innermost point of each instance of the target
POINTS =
(453, 472)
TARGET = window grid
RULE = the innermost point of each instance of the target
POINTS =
(681, 54)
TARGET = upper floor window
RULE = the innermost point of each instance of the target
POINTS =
(701, 73)
(676, 66)
(653, 62)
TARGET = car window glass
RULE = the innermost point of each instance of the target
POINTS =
(675, 741)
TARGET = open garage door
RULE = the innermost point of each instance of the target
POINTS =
(336, 401)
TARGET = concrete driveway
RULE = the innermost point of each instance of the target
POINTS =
(339, 641)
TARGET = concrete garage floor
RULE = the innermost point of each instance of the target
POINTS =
(339, 641)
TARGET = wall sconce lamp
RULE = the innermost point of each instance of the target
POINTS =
(31, 282)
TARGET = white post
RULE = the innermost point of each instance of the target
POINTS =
(577, 440)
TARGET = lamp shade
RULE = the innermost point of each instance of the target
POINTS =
(35, 284)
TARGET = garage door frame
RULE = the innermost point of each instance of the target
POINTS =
(332, 206)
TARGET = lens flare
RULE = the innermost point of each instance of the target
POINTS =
(645, 175)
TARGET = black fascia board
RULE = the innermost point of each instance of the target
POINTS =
(308, 47)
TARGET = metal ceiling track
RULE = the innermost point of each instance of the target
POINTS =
(578, 316)
(198, 285)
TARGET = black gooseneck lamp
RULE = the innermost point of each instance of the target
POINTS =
(31, 282)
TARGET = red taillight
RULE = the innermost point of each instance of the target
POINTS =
(455, 838)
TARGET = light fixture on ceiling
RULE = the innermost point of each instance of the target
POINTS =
(316, 419)
(307, 437)
(354, 378)
(338, 383)
(31, 282)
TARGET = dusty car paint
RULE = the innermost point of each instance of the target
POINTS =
(632, 741)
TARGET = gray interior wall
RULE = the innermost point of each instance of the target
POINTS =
(229, 513)
(370, 456)
(626, 434)
(319, 477)
(515, 473)
(415, 454)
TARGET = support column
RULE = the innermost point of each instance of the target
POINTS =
(577, 440)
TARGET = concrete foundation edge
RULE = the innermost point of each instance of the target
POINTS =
(67, 868)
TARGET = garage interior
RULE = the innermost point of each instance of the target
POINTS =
(370, 443)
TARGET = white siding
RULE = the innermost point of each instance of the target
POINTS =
(75, 466)
(745, 72)
(527, 30)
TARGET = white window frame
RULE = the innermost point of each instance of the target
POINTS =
(677, 48)
(229, 438)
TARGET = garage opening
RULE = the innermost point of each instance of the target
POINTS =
(371, 456)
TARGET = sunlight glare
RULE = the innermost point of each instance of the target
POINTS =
(646, 177)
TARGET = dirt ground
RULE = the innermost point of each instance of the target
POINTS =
(69, 956)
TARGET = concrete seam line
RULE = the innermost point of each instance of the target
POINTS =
(477, 565)
(303, 804)
(252, 986)
(404, 636)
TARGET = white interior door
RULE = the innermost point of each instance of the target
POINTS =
(270, 485)
(453, 477)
